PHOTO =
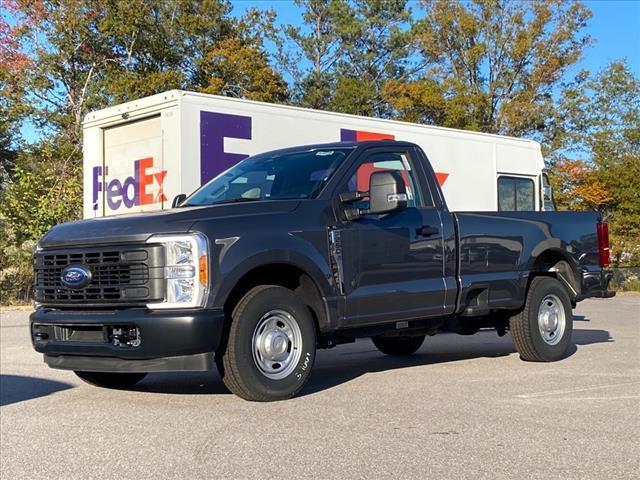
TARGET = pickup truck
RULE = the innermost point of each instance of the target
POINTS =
(305, 248)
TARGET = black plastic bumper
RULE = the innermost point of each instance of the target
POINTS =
(168, 340)
(595, 283)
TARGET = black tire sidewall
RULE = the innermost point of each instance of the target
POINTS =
(274, 298)
(543, 288)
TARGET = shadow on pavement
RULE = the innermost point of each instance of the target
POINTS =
(340, 368)
(186, 383)
(17, 388)
(346, 363)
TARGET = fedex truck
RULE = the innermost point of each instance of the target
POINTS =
(140, 154)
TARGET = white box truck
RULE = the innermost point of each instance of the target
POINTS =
(140, 154)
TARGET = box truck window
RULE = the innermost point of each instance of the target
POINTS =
(384, 161)
(515, 194)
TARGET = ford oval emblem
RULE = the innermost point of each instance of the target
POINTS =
(75, 276)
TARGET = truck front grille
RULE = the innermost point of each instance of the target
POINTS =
(121, 275)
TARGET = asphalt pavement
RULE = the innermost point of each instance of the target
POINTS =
(462, 407)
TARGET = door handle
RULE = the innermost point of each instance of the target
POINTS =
(427, 231)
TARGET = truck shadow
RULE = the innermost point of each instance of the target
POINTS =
(18, 388)
(184, 383)
(348, 362)
(334, 368)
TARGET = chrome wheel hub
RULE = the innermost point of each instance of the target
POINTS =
(551, 319)
(277, 343)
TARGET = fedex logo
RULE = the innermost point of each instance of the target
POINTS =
(145, 187)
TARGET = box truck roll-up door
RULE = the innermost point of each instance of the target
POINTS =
(132, 172)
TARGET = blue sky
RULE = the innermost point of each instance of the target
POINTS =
(615, 26)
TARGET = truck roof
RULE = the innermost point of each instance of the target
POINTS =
(344, 144)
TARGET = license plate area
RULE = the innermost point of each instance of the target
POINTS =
(80, 333)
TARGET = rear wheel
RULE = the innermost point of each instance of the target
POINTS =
(271, 346)
(111, 380)
(397, 346)
(542, 331)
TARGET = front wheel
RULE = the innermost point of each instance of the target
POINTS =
(542, 331)
(111, 380)
(271, 346)
(398, 346)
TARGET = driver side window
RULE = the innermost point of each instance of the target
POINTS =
(377, 162)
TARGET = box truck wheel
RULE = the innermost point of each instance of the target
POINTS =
(271, 345)
(111, 380)
(542, 331)
(398, 345)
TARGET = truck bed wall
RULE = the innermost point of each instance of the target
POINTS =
(499, 249)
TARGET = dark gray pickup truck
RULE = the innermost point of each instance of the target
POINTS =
(306, 248)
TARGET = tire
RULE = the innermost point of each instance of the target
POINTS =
(398, 346)
(271, 345)
(542, 330)
(111, 380)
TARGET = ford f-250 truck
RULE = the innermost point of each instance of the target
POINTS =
(305, 248)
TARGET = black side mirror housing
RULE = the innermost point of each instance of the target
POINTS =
(178, 200)
(387, 192)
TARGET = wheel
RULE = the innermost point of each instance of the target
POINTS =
(111, 380)
(398, 345)
(271, 345)
(542, 331)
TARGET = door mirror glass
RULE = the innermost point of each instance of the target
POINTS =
(387, 192)
(178, 200)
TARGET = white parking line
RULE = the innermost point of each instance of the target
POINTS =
(573, 390)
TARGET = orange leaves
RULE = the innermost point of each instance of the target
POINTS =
(578, 186)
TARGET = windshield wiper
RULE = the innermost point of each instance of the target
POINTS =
(237, 200)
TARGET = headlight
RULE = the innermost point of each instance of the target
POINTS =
(186, 270)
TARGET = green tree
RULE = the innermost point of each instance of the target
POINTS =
(491, 65)
(209, 50)
(345, 52)
(601, 123)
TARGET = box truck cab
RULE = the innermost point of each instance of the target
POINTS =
(140, 154)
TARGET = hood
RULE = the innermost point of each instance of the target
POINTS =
(138, 227)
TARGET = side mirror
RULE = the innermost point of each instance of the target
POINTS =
(548, 196)
(178, 200)
(387, 192)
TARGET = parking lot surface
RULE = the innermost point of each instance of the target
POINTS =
(462, 407)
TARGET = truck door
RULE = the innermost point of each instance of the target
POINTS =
(392, 263)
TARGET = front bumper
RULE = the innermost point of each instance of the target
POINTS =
(168, 340)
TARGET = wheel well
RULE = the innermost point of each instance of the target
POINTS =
(556, 264)
(284, 275)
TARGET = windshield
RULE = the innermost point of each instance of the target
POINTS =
(294, 175)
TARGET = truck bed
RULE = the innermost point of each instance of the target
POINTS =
(500, 249)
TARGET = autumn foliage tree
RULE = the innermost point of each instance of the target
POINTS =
(601, 120)
(491, 66)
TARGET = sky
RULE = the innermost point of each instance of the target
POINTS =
(615, 27)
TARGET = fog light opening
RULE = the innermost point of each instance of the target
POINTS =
(125, 336)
